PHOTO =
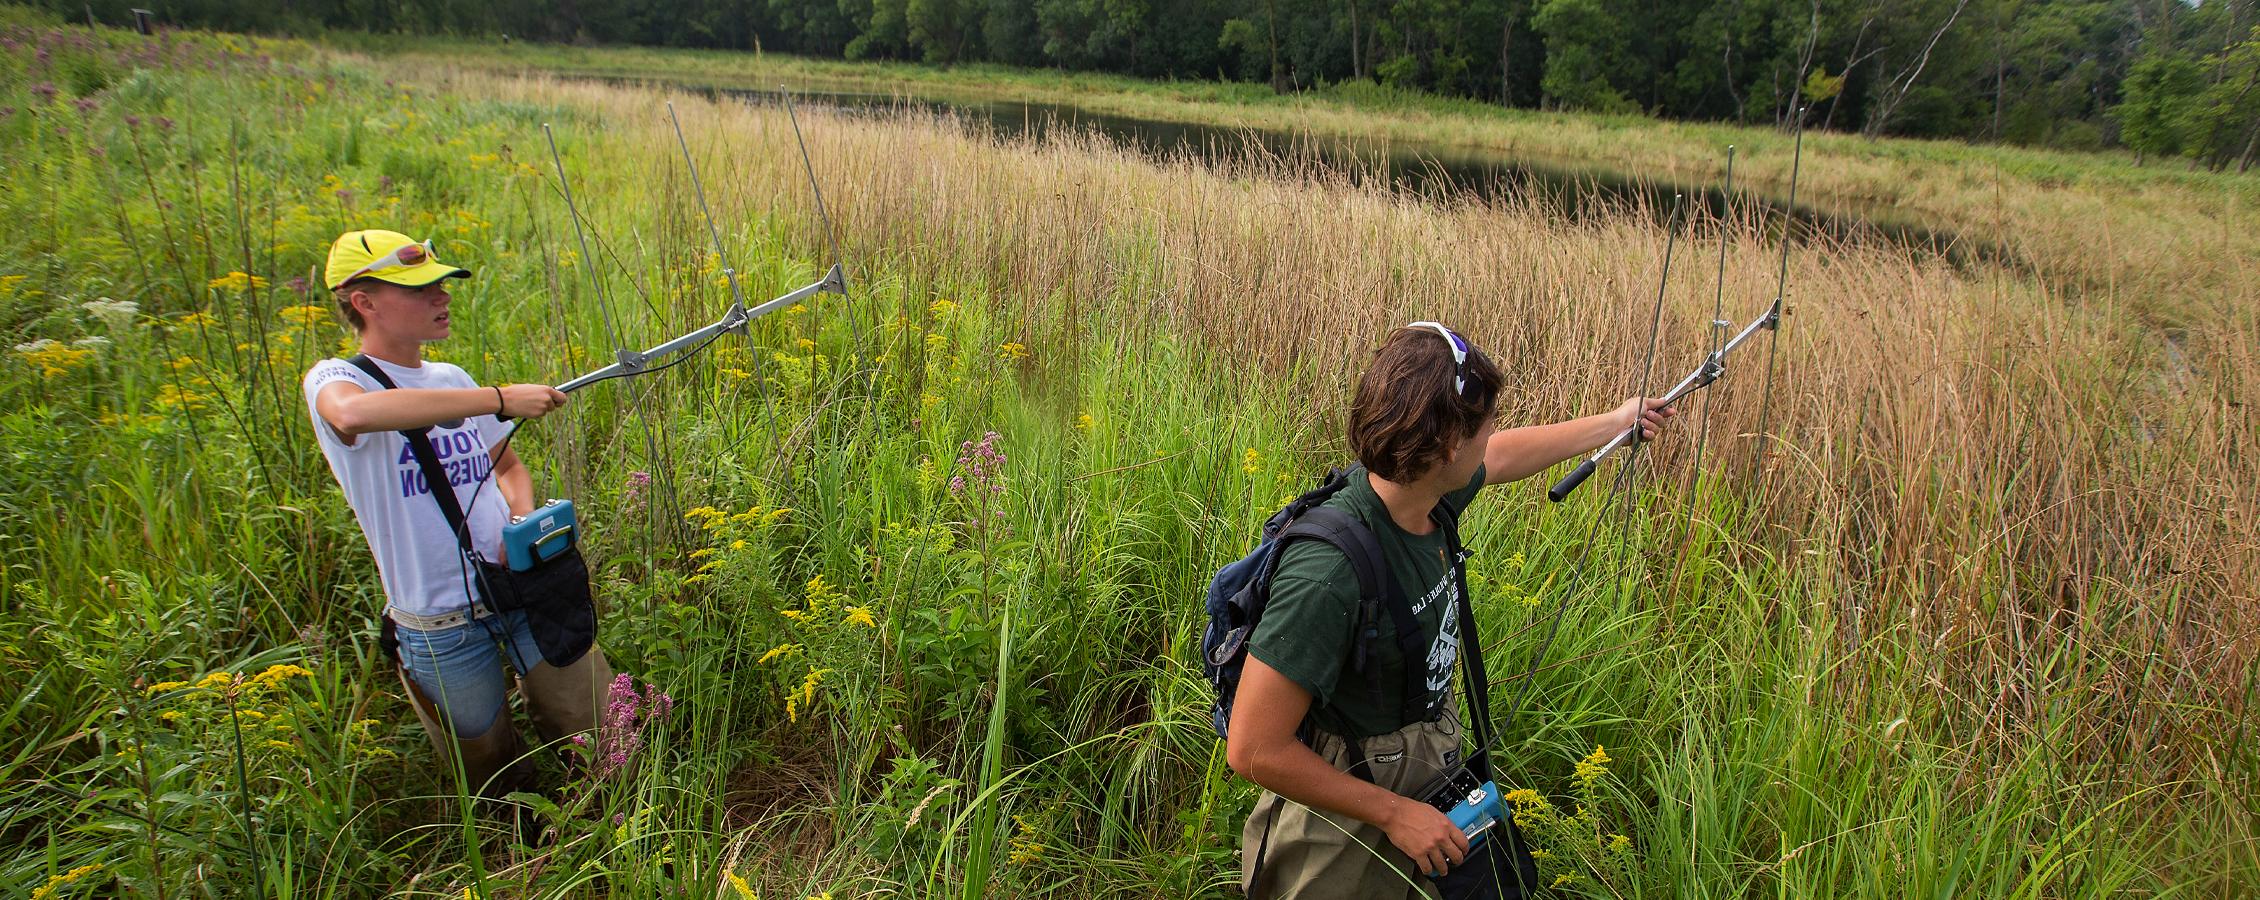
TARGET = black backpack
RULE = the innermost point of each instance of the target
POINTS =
(1240, 590)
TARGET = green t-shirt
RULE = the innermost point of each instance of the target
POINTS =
(1306, 631)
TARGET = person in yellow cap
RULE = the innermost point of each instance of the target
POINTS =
(454, 652)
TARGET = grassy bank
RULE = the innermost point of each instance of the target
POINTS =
(2180, 242)
(1973, 615)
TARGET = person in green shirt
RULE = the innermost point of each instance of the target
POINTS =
(1423, 429)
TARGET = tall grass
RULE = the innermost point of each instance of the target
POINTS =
(1976, 617)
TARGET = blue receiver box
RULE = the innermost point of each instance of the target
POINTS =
(1478, 813)
(539, 536)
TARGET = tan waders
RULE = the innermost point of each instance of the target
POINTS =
(1312, 855)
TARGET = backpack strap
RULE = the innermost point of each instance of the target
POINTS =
(427, 460)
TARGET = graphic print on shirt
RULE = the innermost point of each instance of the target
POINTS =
(1445, 649)
(462, 454)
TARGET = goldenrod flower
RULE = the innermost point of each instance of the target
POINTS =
(48, 890)
(274, 675)
(857, 615)
(702, 553)
(198, 319)
(1564, 880)
(745, 891)
(1083, 421)
(306, 316)
(1251, 461)
(1592, 768)
(795, 615)
(53, 358)
(237, 281)
(1012, 351)
(941, 307)
(808, 686)
(777, 651)
(163, 686)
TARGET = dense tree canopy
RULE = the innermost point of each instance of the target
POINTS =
(2163, 77)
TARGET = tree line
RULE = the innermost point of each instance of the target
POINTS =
(2165, 78)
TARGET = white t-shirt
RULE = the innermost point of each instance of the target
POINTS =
(424, 570)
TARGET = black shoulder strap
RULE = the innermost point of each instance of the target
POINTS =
(427, 459)
(1375, 587)
(1471, 643)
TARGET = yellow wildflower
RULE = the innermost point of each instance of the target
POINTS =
(275, 674)
(174, 398)
(1083, 421)
(777, 651)
(198, 319)
(1619, 843)
(53, 358)
(180, 362)
(942, 307)
(737, 374)
(216, 680)
(1564, 880)
(796, 309)
(172, 715)
(57, 882)
(808, 686)
(738, 544)
(792, 709)
(745, 891)
(282, 745)
(1592, 768)
(1251, 462)
(795, 615)
(857, 615)
(805, 345)
(778, 515)
(702, 553)
(237, 281)
(163, 686)
(306, 316)
(1012, 351)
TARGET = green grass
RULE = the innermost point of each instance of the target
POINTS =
(1026, 702)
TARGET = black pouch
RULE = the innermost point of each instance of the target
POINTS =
(1501, 869)
(560, 609)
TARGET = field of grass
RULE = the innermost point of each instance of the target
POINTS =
(2162, 234)
(1974, 614)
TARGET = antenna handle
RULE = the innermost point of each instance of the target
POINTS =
(1561, 489)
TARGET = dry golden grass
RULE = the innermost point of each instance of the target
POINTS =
(2179, 244)
(2022, 479)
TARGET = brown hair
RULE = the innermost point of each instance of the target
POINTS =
(1407, 416)
(345, 310)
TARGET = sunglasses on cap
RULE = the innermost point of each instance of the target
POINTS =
(1459, 354)
(406, 256)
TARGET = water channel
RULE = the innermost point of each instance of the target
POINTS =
(1427, 171)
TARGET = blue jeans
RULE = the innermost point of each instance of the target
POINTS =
(460, 668)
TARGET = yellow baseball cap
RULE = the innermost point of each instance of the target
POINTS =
(386, 256)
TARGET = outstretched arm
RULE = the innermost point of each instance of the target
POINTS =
(1518, 453)
(353, 411)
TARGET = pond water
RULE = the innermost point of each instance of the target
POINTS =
(1428, 171)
